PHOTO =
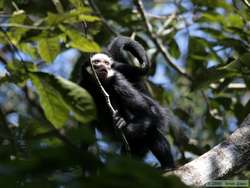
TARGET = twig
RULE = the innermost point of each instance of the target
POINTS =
(111, 108)
(14, 49)
(3, 60)
(104, 21)
(159, 45)
(167, 22)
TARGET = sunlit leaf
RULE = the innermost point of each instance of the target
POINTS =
(59, 96)
(49, 48)
(79, 41)
(51, 100)
(76, 3)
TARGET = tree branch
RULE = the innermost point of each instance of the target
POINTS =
(247, 3)
(230, 156)
(157, 42)
(104, 21)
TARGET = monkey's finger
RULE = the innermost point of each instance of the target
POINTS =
(121, 123)
(116, 119)
(118, 123)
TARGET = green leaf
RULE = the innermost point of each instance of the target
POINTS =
(18, 72)
(76, 3)
(53, 19)
(80, 42)
(245, 59)
(73, 16)
(59, 96)
(211, 17)
(49, 48)
(214, 74)
(1, 4)
(234, 20)
(77, 99)
(234, 43)
(88, 18)
(18, 17)
(51, 100)
(28, 49)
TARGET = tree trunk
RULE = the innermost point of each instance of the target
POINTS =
(230, 156)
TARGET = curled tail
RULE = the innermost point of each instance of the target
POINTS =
(121, 43)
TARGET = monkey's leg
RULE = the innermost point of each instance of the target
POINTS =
(160, 147)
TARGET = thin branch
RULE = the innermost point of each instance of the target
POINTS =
(4, 61)
(159, 45)
(14, 49)
(104, 21)
(166, 23)
(106, 95)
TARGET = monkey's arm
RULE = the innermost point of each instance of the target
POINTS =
(127, 95)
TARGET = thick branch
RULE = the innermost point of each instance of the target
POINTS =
(230, 156)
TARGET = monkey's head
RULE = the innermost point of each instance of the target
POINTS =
(102, 64)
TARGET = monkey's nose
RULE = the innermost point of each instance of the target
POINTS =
(96, 66)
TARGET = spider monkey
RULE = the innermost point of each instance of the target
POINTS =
(140, 117)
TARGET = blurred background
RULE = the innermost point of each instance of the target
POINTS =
(200, 55)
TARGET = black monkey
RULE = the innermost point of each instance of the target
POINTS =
(144, 117)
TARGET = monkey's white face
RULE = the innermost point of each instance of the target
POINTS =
(101, 58)
(102, 64)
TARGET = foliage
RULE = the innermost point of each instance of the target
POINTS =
(45, 119)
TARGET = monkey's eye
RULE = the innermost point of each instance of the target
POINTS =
(106, 62)
(96, 61)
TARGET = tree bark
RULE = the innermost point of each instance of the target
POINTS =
(228, 157)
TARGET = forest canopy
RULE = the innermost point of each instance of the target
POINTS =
(200, 70)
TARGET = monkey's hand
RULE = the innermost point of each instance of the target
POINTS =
(119, 122)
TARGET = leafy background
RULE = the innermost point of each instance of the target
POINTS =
(45, 116)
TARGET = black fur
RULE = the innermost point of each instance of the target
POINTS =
(133, 74)
(145, 118)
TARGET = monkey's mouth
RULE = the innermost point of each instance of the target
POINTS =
(102, 73)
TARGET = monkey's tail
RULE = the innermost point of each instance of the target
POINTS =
(121, 43)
